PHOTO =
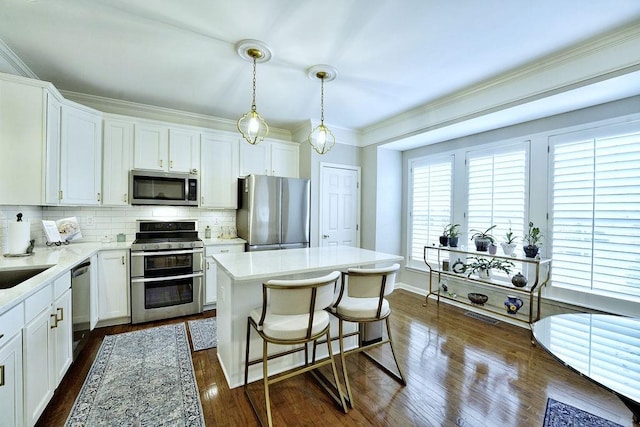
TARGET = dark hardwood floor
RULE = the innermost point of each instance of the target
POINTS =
(460, 372)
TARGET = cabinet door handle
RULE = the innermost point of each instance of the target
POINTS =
(171, 164)
(55, 321)
(1, 375)
(202, 200)
(1, 336)
(207, 265)
(160, 162)
(223, 251)
(122, 259)
(124, 199)
(61, 311)
(60, 195)
(98, 196)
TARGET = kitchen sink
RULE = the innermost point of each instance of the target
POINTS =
(11, 278)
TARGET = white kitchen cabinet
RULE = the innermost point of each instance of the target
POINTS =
(38, 357)
(210, 294)
(62, 330)
(11, 398)
(25, 125)
(78, 178)
(184, 150)
(47, 343)
(150, 147)
(116, 161)
(52, 160)
(219, 172)
(113, 286)
(270, 158)
(161, 148)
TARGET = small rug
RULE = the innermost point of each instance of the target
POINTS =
(141, 378)
(484, 318)
(204, 333)
(560, 414)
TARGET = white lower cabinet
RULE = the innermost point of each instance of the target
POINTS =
(113, 285)
(11, 400)
(47, 344)
(210, 294)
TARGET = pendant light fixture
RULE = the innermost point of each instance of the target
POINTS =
(321, 138)
(251, 125)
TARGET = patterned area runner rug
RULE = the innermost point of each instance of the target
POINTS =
(141, 378)
(204, 333)
(560, 414)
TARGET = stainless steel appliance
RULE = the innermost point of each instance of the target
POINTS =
(81, 305)
(163, 188)
(166, 270)
(273, 212)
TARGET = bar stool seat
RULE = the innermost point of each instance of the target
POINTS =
(293, 314)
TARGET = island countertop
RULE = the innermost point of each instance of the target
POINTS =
(269, 264)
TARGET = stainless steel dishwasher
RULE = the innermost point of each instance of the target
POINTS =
(81, 305)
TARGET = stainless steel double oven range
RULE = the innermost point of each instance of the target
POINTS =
(166, 270)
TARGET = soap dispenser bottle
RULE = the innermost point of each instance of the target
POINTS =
(207, 232)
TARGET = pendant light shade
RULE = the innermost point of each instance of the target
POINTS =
(251, 125)
(321, 138)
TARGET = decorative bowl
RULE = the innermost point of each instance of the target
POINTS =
(479, 299)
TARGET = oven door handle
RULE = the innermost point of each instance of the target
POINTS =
(160, 253)
(165, 278)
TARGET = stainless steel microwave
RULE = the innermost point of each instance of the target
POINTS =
(163, 188)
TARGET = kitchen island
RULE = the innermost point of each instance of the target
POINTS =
(239, 280)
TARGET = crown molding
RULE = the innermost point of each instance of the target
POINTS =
(152, 112)
(19, 67)
(606, 56)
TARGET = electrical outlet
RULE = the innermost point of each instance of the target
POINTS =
(89, 221)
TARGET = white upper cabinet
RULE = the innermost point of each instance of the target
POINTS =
(219, 173)
(161, 148)
(270, 158)
(116, 161)
(151, 147)
(25, 126)
(184, 150)
(80, 156)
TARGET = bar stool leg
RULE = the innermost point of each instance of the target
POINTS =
(265, 376)
(343, 359)
(393, 352)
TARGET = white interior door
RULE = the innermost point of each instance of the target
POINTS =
(339, 206)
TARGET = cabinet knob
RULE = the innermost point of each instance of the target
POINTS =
(1, 375)
(325, 236)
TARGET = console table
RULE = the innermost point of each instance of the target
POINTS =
(604, 348)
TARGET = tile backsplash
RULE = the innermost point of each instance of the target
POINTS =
(104, 223)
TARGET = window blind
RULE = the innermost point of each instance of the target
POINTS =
(595, 202)
(431, 205)
(497, 191)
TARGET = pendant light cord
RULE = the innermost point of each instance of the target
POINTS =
(322, 100)
(253, 103)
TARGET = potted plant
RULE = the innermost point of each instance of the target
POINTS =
(444, 239)
(483, 266)
(533, 238)
(482, 239)
(454, 235)
(509, 245)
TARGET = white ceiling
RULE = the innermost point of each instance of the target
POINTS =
(391, 55)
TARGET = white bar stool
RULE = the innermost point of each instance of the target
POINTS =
(361, 300)
(293, 312)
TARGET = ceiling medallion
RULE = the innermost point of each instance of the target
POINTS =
(251, 125)
(321, 138)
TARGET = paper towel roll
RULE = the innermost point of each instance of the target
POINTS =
(19, 236)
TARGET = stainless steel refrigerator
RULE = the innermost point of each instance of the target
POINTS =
(273, 212)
